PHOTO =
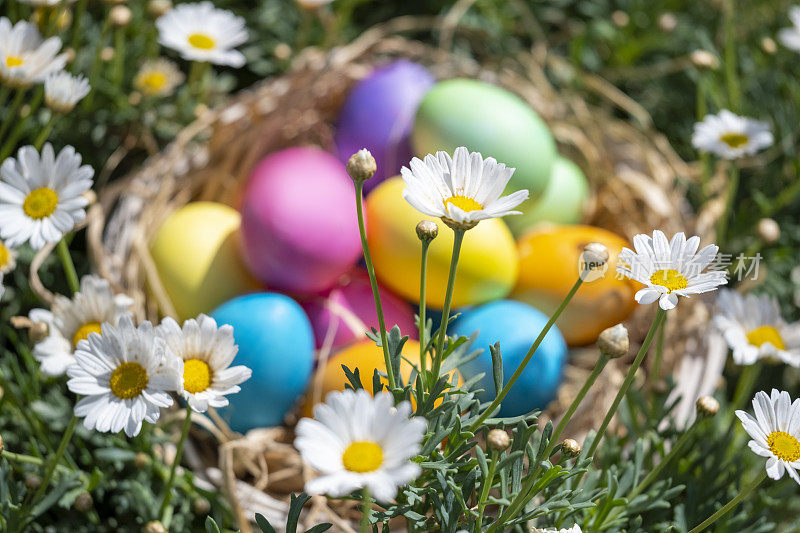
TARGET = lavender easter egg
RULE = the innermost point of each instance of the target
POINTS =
(299, 225)
(347, 312)
(379, 115)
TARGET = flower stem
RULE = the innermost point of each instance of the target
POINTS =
(45, 133)
(53, 463)
(731, 504)
(458, 239)
(12, 111)
(366, 509)
(162, 513)
(69, 266)
(485, 489)
(423, 279)
(659, 351)
(77, 22)
(374, 283)
(19, 128)
(733, 186)
(518, 372)
(660, 315)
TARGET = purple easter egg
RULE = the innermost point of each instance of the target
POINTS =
(379, 115)
(348, 311)
(299, 225)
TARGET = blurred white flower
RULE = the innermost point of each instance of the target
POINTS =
(730, 136)
(754, 329)
(462, 190)
(125, 376)
(41, 197)
(62, 91)
(574, 529)
(207, 353)
(790, 37)
(158, 77)
(201, 32)
(313, 4)
(775, 432)
(47, 3)
(25, 58)
(8, 258)
(357, 441)
(669, 268)
(71, 320)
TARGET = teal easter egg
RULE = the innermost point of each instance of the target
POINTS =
(563, 200)
(515, 325)
(490, 120)
(276, 341)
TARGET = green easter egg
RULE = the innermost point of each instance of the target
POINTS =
(490, 120)
(562, 202)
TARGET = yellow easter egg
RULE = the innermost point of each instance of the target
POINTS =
(364, 355)
(196, 254)
(549, 266)
(487, 268)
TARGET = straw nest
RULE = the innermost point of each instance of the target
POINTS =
(635, 177)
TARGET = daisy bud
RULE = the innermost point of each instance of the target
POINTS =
(704, 59)
(33, 482)
(570, 448)
(107, 54)
(620, 18)
(707, 406)
(120, 16)
(135, 98)
(498, 440)
(157, 8)
(427, 230)
(613, 341)
(667, 22)
(361, 166)
(769, 45)
(769, 230)
(282, 51)
(2, 447)
(69, 54)
(141, 460)
(154, 527)
(83, 502)
(594, 261)
(200, 506)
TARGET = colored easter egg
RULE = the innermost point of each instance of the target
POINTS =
(490, 120)
(299, 225)
(549, 266)
(562, 202)
(378, 115)
(487, 267)
(276, 341)
(196, 254)
(515, 325)
(347, 312)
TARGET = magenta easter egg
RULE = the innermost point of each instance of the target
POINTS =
(348, 311)
(379, 115)
(299, 225)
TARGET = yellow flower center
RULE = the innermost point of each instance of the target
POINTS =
(202, 41)
(13, 61)
(765, 334)
(362, 456)
(669, 278)
(735, 140)
(40, 203)
(5, 255)
(128, 380)
(196, 376)
(84, 330)
(464, 203)
(784, 446)
(154, 81)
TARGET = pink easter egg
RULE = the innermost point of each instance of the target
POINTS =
(299, 225)
(348, 311)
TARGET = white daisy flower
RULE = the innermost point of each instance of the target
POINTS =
(790, 37)
(754, 329)
(462, 190)
(207, 353)
(126, 375)
(41, 197)
(158, 77)
(201, 32)
(356, 441)
(8, 258)
(669, 268)
(47, 3)
(574, 529)
(730, 136)
(25, 58)
(62, 91)
(775, 432)
(72, 320)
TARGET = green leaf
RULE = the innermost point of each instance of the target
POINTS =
(211, 525)
(497, 367)
(264, 524)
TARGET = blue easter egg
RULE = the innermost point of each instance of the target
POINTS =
(515, 325)
(276, 341)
